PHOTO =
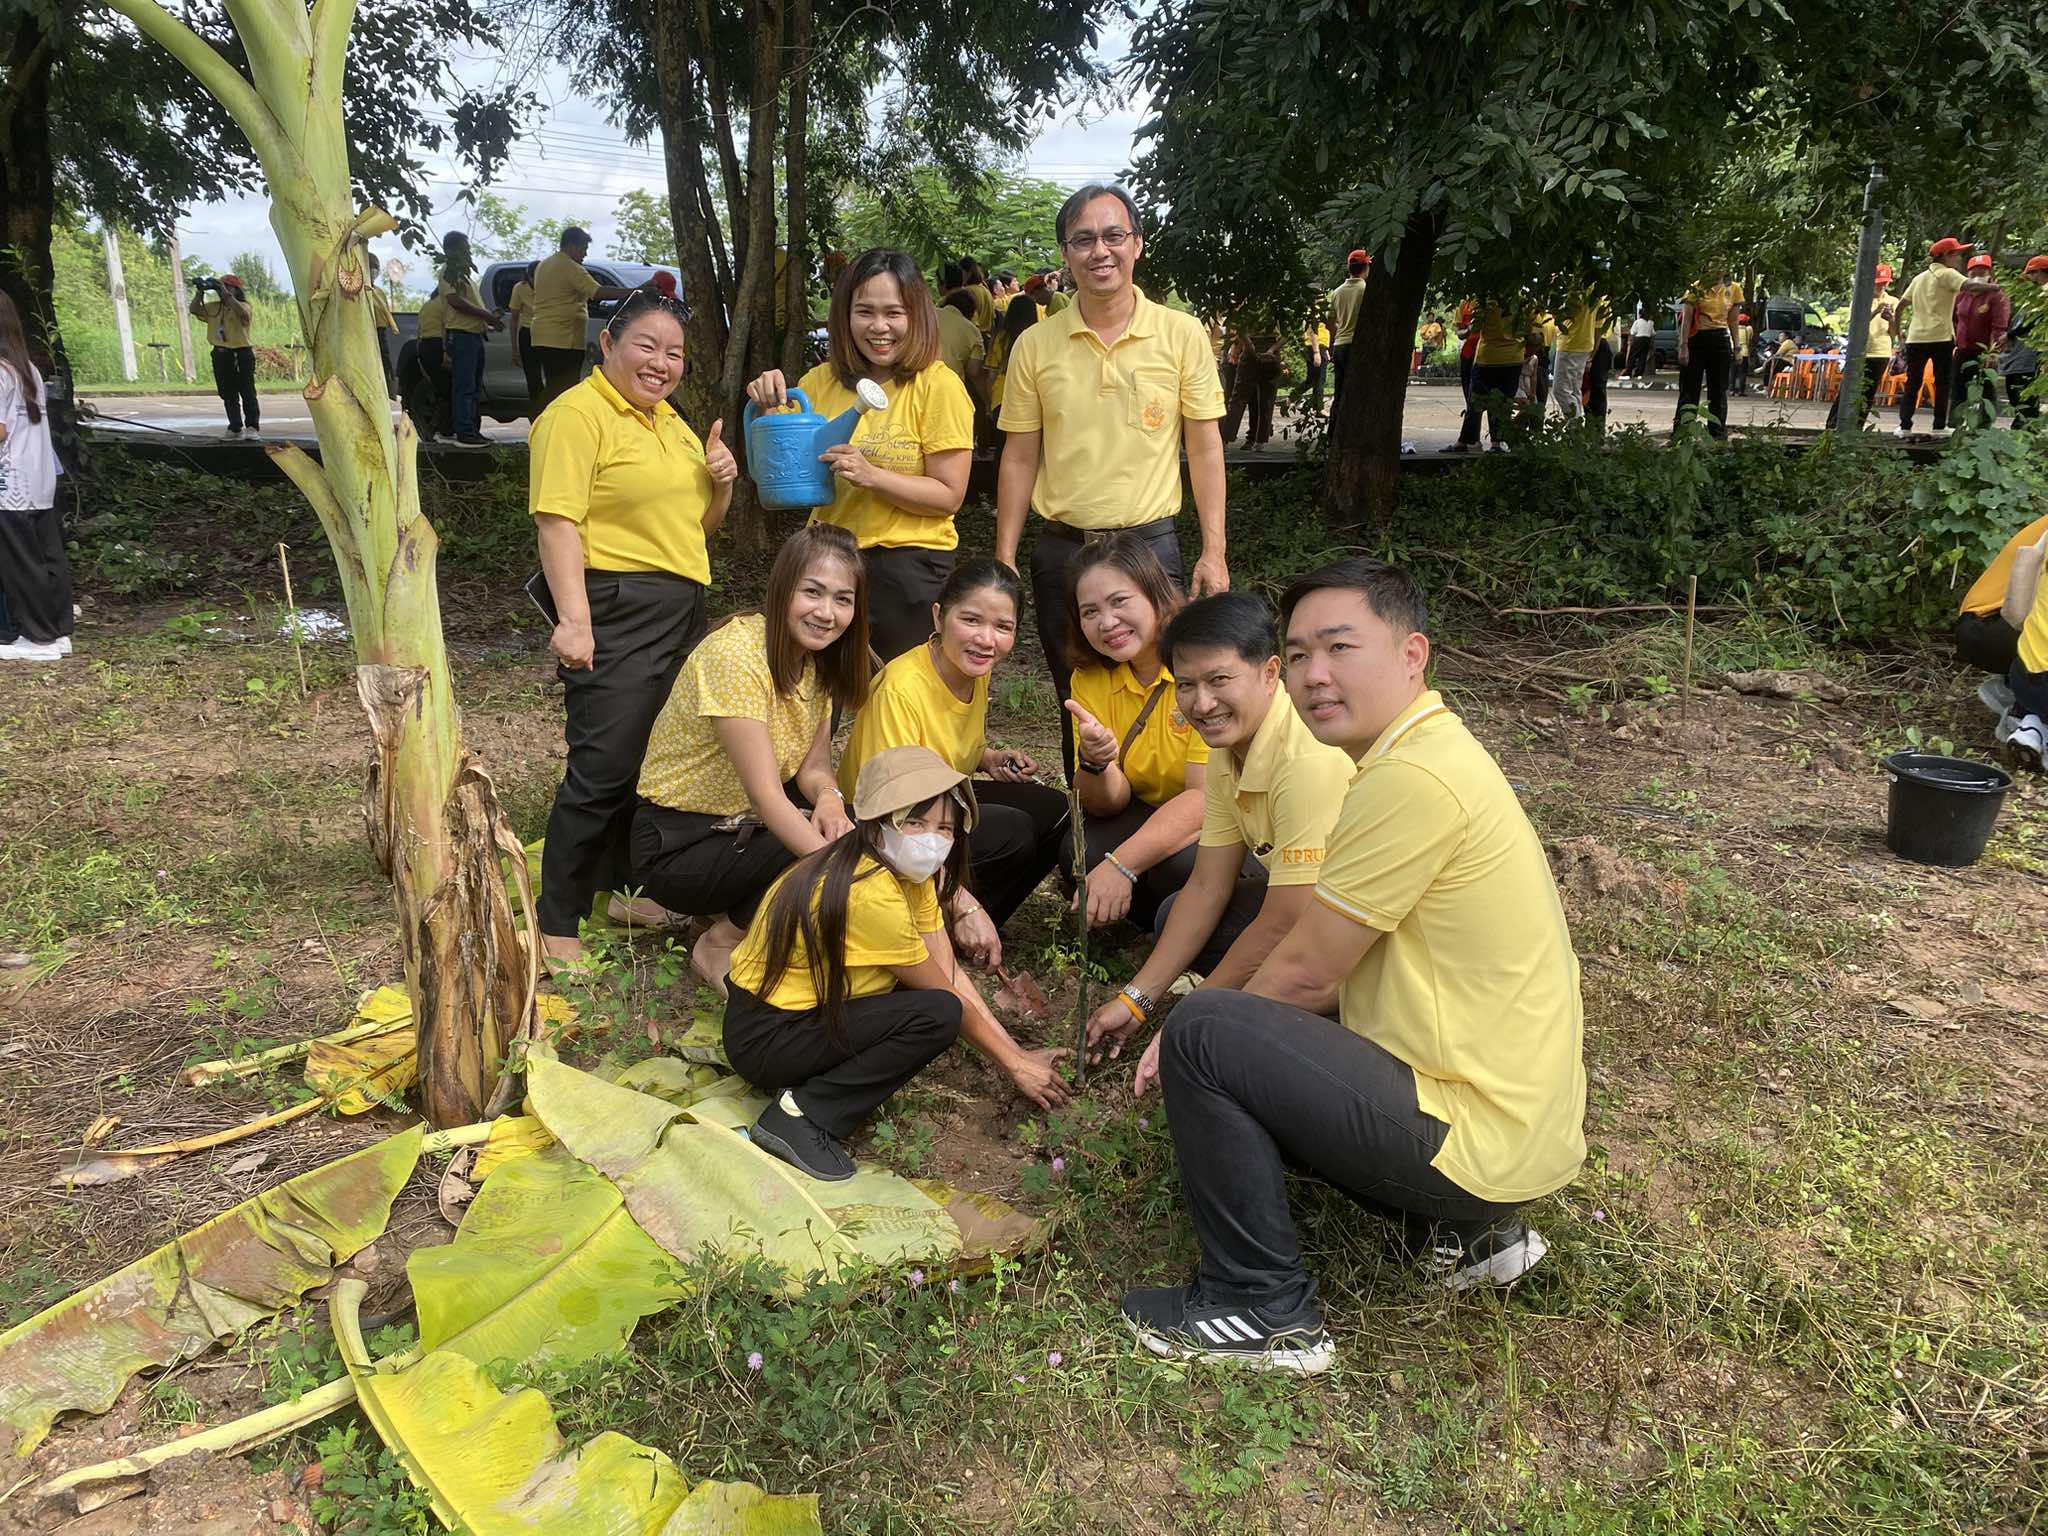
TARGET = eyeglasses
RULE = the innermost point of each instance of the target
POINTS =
(651, 298)
(1084, 242)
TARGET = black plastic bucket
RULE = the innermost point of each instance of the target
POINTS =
(1942, 808)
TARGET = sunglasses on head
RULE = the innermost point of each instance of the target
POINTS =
(651, 298)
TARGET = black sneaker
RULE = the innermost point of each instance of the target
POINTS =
(1174, 1322)
(784, 1132)
(474, 440)
(1496, 1256)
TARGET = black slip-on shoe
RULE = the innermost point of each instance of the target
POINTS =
(801, 1144)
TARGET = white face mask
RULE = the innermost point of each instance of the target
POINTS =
(915, 855)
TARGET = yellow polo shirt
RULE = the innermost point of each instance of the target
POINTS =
(520, 302)
(1877, 342)
(726, 678)
(1157, 763)
(1056, 301)
(1283, 802)
(433, 320)
(1344, 301)
(633, 482)
(911, 706)
(1712, 302)
(562, 291)
(1111, 416)
(959, 342)
(1473, 982)
(1930, 300)
(1581, 328)
(887, 918)
(984, 307)
(457, 321)
(929, 413)
(1987, 592)
(227, 322)
(1500, 340)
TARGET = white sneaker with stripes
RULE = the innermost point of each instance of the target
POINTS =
(1174, 1323)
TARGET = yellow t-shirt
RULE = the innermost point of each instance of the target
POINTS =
(1877, 341)
(1500, 341)
(562, 291)
(1283, 802)
(1473, 982)
(959, 342)
(1582, 327)
(726, 678)
(1111, 416)
(911, 706)
(227, 322)
(929, 413)
(433, 319)
(1987, 592)
(1056, 301)
(457, 321)
(1711, 303)
(1157, 762)
(887, 918)
(633, 482)
(984, 307)
(1344, 301)
(520, 302)
(1930, 300)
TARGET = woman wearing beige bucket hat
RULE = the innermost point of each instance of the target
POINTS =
(846, 985)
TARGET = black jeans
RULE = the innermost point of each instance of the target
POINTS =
(430, 403)
(1254, 1087)
(234, 380)
(1641, 349)
(2016, 387)
(1245, 900)
(1919, 354)
(1104, 834)
(1873, 376)
(1254, 391)
(1709, 359)
(1597, 373)
(560, 368)
(1966, 367)
(1340, 367)
(1051, 554)
(1465, 377)
(35, 575)
(529, 364)
(1987, 642)
(902, 586)
(466, 365)
(894, 1036)
(707, 866)
(1023, 835)
(644, 624)
(1493, 392)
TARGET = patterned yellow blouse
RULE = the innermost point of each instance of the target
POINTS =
(726, 677)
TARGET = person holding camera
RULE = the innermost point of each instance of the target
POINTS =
(228, 316)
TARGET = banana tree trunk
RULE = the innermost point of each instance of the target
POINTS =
(435, 827)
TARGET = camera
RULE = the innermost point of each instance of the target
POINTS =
(206, 283)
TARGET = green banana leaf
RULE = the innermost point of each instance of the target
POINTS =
(204, 1287)
(547, 1266)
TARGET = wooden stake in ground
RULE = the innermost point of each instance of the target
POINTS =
(291, 609)
(1692, 608)
(1081, 911)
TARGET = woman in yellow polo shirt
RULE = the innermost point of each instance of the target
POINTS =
(936, 695)
(1141, 762)
(623, 496)
(847, 986)
(904, 474)
(519, 304)
(1496, 371)
(737, 784)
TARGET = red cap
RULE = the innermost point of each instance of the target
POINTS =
(1948, 245)
(1884, 271)
(231, 280)
(666, 283)
(1034, 284)
(1980, 264)
(1358, 256)
(2037, 264)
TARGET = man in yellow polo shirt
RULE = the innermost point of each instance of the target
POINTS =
(560, 315)
(1270, 796)
(1344, 301)
(228, 315)
(1453, 1090)
(1099, 401)
(1706, 348)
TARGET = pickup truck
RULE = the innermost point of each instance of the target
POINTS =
(505, 396)
(1778, 316)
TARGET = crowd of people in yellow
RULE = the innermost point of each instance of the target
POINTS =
(1384, 989)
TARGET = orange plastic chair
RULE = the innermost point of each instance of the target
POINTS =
(1802, 378)
(1888, 388)
(1781, 384)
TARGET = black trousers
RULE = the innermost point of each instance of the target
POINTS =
(1051, 554)
(1919, 354)
(560, 368)
(894, 1037)
(644, 624)
(2029, 690)
(707, 866)
(1340, 366)
(35, 575)
(1987, 642)
(1873, 376)
(1710, 358)
(1597, 373)
(1245, 900)
(902, 586)
(1465, 377)
(1254, 1087)
(1023, 835)
(1493, 392)
(1104, 834)
(1641, 349)
(529, 365)
(1256, 388)
(234, 380)
(432, 402)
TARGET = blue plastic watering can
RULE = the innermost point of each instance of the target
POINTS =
(783, 450)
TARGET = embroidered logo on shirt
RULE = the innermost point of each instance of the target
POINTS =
(1154, 416)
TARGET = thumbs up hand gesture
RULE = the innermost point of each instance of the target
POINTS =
(718, 458)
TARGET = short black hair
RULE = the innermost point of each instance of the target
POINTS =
(950, 276)
(961, 300)
(574, 236)
(452, 239)
(1071, 208)
(1235, 621)
(1389, 591)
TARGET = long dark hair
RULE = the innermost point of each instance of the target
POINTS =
(1130, 554)
(844, 667)
(14, 356)
(920, 342)
(811, 905)
(1017, 319)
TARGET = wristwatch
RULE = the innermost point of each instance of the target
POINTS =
(1087, 767)
(1139, 1000)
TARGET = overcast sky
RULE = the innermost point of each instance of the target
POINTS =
(571, 163)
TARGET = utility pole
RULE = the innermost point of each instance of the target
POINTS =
(178, 303)
(1849, 402)
(118, 285)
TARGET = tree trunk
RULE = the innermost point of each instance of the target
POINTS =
(435, 828)
(1363, 479)
(28, 193)
(720, 102)
(796, 288)
(683, 162)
